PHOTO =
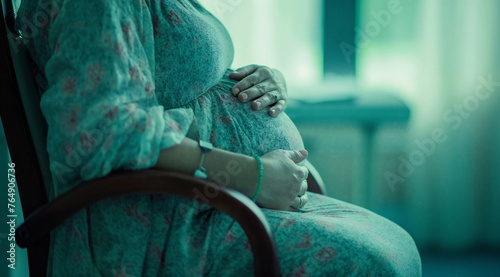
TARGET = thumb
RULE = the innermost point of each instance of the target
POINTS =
(242, 72)
(298, 156)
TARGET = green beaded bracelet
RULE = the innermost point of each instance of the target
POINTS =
(261, 174)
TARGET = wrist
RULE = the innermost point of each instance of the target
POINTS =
(232, 170)
(247, 181)
(227, 169)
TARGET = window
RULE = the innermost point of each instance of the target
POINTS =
(284, 34)
(339, 42)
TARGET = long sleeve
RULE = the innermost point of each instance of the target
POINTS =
(100, 104)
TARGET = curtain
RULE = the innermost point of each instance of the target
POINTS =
(442, 57)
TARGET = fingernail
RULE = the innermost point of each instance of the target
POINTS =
(258, 104)
(244, 96)
(273, 110)
(235, 90)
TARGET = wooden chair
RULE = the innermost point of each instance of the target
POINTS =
(25, 130)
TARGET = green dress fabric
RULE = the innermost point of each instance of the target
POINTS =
(123, 79)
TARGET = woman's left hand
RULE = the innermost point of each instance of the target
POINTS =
(265, 86)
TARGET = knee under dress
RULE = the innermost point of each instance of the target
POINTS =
(123, 79)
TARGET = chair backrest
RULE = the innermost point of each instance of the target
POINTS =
(25, 128)
(25, 125)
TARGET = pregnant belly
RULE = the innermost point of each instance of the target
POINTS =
(234, 126)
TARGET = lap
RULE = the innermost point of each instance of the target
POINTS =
(170, 235)
(329, 237)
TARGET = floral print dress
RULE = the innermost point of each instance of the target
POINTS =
(123, 79)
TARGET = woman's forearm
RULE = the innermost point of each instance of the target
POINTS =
(225, 168)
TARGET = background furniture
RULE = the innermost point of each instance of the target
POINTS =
(367, 109)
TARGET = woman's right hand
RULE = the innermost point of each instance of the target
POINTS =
(283, 180)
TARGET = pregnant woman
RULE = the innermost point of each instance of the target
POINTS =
(136, 84)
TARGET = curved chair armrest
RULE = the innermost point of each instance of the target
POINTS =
(231, 202)
(314, 181)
